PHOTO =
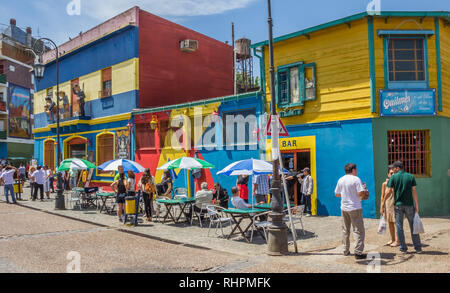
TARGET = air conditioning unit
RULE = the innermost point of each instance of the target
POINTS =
(189, 45)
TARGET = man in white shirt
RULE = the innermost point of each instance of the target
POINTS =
(202, 197)
(350, 189)
(8, 178)
(237, 201)
(38, 178)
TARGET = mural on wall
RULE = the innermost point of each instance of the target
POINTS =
(123, 144)
(19, 111)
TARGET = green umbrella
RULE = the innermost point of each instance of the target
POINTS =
(186, 163)
(77, 164)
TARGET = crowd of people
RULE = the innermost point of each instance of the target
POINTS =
(399, 197)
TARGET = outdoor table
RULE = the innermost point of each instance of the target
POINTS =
(169, 203)
(104, 197)
(238, 215)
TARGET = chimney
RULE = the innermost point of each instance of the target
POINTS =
(29, 38)
(12, 22)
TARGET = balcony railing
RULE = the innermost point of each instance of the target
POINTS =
(104, 93)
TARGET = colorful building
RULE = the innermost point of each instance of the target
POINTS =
(134, 60)
(16, 93)
(367, 89)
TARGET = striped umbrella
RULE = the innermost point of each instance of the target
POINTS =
(127, 165)
(75, 164)
(186, 163)
(247, 167)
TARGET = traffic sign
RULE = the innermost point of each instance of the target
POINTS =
(282, 131)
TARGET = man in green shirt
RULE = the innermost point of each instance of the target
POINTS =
(406, 204)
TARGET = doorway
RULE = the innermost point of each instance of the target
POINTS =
(296, 160)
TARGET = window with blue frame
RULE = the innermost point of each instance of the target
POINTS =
(296, 84)
(406, 62)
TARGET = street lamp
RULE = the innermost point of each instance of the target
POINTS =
(39, 69)
(277, 231)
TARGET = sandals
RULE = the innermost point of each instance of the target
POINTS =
(393, 244)
(389, 243)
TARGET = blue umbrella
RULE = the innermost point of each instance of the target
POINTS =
(127, 165)
(248, 167)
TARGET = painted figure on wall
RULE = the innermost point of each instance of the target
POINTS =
(80, 99)
(64, 104)
(19, 111)
(122, 145)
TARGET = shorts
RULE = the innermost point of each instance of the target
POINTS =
(120, 198)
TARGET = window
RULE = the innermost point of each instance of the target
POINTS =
(105, 151)
(106, 83)
(406, 62)
(412, 147)
(145, 136)
(296, 84)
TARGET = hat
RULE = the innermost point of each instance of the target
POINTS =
(306, 169)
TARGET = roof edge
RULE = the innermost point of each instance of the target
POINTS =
(443, 14)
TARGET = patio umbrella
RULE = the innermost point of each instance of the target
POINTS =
(186, 163)
(247, 167)
(127, 165)
(75, 164)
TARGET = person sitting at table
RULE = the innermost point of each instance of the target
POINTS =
(202, 197)
(220, 194)
(165, 187)
(237, 201)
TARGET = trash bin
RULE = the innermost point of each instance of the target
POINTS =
(18, 188)
(130, 205)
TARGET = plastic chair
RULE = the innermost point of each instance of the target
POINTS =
(215, 217)
(74, 198)
(199, 214)
(260, 225)
(295, 217)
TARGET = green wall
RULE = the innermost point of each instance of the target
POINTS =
(433, 192)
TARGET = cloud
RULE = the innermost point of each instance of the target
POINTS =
(102, 10)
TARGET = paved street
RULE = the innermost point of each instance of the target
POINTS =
(36, 238)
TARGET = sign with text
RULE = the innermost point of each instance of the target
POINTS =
(408, 102)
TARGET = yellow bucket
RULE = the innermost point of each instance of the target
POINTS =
(17, 186)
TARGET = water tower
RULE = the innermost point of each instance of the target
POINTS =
(244, 66)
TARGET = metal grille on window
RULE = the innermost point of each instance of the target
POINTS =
(412, 147)
(406, 60)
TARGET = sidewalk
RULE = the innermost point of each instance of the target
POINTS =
(319, 250)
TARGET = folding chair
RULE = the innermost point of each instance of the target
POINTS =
(260, 225)
(215, 217)
(295, 217)
(199, 214)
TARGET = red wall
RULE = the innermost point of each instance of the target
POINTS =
(169, 76)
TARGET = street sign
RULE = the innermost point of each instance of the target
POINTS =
(281, 128)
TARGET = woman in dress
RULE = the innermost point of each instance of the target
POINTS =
(388, 209)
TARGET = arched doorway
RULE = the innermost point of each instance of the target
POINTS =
(49, 153)
(75, 147)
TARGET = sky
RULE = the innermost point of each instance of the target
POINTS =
(49, 18)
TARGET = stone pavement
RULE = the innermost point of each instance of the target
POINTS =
(319, 249)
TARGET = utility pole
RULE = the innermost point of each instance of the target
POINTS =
(277, 231)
